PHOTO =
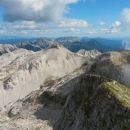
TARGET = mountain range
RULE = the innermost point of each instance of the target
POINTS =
(64, 84)
(74, 44)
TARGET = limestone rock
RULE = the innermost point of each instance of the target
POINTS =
(5, 48)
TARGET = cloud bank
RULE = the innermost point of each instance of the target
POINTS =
(126, 16)
(34, 10)
(46, 17)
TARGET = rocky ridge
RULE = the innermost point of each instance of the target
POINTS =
(5, 48)
(26, 70)
(96, 103)
(114, 65)
(55, 89)
(84, 102)
(91, 54)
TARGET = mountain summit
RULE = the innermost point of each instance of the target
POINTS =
(27, 70)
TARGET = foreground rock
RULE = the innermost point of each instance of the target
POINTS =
(96, 103)
(42, 108)
(87, 102)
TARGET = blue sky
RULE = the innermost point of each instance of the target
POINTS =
(98, 10)
(53, 18)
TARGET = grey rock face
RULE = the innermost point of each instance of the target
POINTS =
(94, 106)
(113, 65)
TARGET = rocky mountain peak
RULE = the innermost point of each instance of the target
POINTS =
(5, 48)
(56, 45)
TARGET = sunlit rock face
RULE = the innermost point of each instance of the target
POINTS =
(90, 54)
(5, 48)
(27, 70)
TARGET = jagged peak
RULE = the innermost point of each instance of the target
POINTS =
(55, 45)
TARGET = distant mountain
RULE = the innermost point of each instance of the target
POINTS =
(87, 45)
(66, 40)
(112, 43)
(36, 44)
(72, 43)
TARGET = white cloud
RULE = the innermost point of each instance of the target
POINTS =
(102, 23)
(113, 28)
(126, 15)
(116, 24)
(109, 30)
(38, 18)
(40, 28)
(32, 25)
(73, 23)
(34, 10)
(64, 27)
(126, 44)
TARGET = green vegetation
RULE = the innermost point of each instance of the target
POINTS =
(120, 92)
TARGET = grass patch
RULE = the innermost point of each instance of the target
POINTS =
(120, 92)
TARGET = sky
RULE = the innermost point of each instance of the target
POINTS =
(55, 18)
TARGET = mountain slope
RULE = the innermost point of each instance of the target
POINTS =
(113, 65)
(5, 48)
(96, 103)
(55, 89)
(28, 70)
(85, 102)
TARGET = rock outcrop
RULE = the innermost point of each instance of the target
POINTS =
(42, 108)
(91, 54)
(85, 102)
(96, 103)
(5, 48)
(113, 65)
